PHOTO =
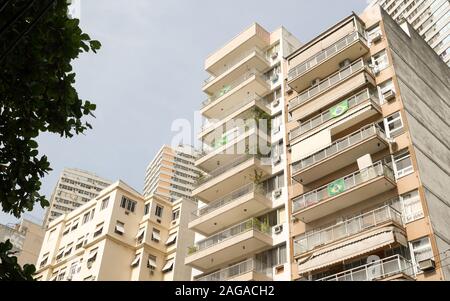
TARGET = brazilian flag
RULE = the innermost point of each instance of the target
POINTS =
(339, 109)
(336, 187)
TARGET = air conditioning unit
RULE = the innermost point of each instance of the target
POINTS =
(389, 95)
(289, 89)
(274, 78)
(315, 82)
(376, 38)
(376, 70)
(344, 63)
(278, 229)
(277, 193)
(276, 130)
(427, 265)
(276, 103)
(277, 160)
(274, 55)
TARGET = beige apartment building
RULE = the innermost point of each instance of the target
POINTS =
(242, 224)
(368, 154)
(171, 173)
(119, 235)
(74, 188)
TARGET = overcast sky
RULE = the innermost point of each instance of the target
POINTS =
(150, 72)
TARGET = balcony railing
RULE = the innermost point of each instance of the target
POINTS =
(347, 228)
(220, 170)
(342, 185)
(226, 89)
(376, 270)
(247, 266)
(325, 54)
(229, 198)
(320, 119)
(251, 224)
(338, 146)
(327, 82)
(235, 62)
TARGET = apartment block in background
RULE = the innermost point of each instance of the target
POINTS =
(26, 238)
(172, 173)
(242, 219)
(368, 154)
(119, 235)
(430, 18)
(74, 188)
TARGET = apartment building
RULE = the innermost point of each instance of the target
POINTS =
(26, 238)
(119, 235)
(241, 223)
(368, 154)
(74, 188)
(171, 173)
(430, 18)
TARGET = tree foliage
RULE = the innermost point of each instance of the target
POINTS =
(37, 93)
(10, 269)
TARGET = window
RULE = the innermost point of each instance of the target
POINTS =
(276, 123)
(92, 257)
(159, 211)
(85, 218)
(151, 263)
(412, 206)
(68, 249)
(44, 260)
(67, 229)
(98, 230)
(52, 234)
(420, 250)
(104, 203)
(373, 33)
(92, 214)
(402, 164)
(128, 204)
(74, 226)
(156, 235)
(385, 87)
(140, 235)
(136, 260)
(172, 239)
(175, 214)
(120, 228)
(60, 254)
(380, 60)
(168, 266)
(61, 275)
(393, 125)
(147, 209)
(73, 270)
(79, 243)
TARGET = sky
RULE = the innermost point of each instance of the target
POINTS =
(149, 72)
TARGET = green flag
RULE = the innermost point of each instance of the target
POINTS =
(339, 109)
(336, 187)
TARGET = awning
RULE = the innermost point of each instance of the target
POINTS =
(120, 229)
(156, 236)
(135, 261)
(172, 238)
(350, 249)
(152, 262)
(92, 256)
(140, 233)
(168, 266)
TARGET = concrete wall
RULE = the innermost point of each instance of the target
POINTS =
(424, 82)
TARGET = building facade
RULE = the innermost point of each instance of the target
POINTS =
(368, 154)
(119, 235)
(26, 238)
(171, 173)
(430, 18)
(74, 188)
(241, 224)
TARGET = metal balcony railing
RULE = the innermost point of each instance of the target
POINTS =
(320, 119)
(327, 82)
(325, 54)
(315, 238)
(229, 198)
(251, 224)
(338, 146)
(247, 266)
(342, 185)
(376, 270)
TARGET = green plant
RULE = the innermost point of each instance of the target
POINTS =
(10, 269)
(257, 177)
(192, 249)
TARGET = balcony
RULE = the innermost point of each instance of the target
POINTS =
(248, 270)
(233, 93)
(341, 153)
(224, 179)
(253, 59)
(352, 47)
(344, 192)
(391, 268)
(238, 241)
(349, 228)
(236, 206)
(327, 83)
(364, 104)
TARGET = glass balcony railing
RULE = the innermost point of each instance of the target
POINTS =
(327, 82)
(320, 119)
(376, 270)
(236, 62)
(247, 266)
(347, 228)
(251, 224)
(229, 198)
(338, 146)
(325, 54)
(342, 185)
(226, 89)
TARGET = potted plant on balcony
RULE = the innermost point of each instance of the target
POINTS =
(192, 249)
